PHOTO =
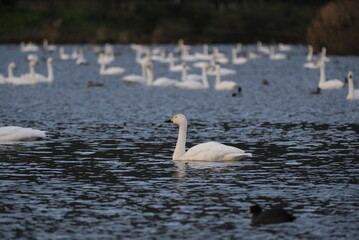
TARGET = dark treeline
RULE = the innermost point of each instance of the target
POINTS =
(156, 21)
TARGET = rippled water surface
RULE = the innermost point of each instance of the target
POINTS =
(105, 169)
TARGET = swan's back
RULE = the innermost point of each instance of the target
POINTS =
(190, 85)
(331, 84)
(214, 151)
(13, 133)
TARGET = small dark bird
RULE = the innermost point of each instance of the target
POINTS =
(92, 84)
(238, 93)
(316, 91)
(265, 82)
(274, 215)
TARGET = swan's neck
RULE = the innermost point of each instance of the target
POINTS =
(204, 77)
(32, 73)
(149, 76)
(184, 73)
(181, 143)
(322, 72)
(234, 55)
(310, 53)
(205, 50)
(351, 88)
(9, 72)
(218, 75)
(50, 72)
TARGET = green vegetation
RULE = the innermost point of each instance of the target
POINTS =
(156, 21)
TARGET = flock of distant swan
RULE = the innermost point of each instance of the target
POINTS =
(210, 64)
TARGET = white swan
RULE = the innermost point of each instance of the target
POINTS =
(159, 82)
(223, 85)
(204, 55)
(353, 94)
(237, 60)
(209, 151)
(81, 60)
(15, 134)
(328, 84)
(133, 78)
(48, 47)
(110, 70)
(38, 77)
(191, 84)
(21, 80)
(283, 47)
(29, 47)
(172, 67)
(276, 56)
(63, 56)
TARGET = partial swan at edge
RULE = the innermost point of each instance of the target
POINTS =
(14, 134)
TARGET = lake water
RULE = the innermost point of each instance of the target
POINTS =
(105, 170)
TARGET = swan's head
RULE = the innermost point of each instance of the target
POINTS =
(350, 75)
(49, 60)
(12, 65)
(179, 119)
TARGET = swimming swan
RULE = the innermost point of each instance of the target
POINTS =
(110, 70)
(21, 80)
(328, 84)
(36, 77)
(353, 94)
(159, 82)
(13, 134)
(191, 84)
(223, 85)
(209, 151)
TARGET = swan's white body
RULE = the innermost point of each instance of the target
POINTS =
(276, 56)
(36, 77)
(283, 47)
(191, 84)
(14, 134)
(328, 84)
(353, 94)
(110, 70)
(63, 56)
(223, 85)
(210, 151)
(48, 47)
(159, 82)
(81, 60)
(30, 47)
(237, 60)
(133, 78)
(21, 80)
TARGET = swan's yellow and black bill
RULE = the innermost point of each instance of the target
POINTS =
(169, 121)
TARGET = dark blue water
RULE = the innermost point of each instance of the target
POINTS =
(105, 169)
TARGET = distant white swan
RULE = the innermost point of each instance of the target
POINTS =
(110, 70)
(223, 85)
(172, 67)
(328, 84)
(63, 56)
(134, 78)
(14, 134)
(21, 80)
(191, 84)
(237, 60)
(209, 151)
(276, 56)
(38, 77)
(48, 47)
(81, 60)
(29, 47)
(353, 94)
(159, 82)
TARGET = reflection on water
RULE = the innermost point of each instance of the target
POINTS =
(105, 169)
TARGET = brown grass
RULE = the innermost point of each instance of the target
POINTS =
(336, 27)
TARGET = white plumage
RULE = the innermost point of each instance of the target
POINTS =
(14, 134)
(210, 151)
